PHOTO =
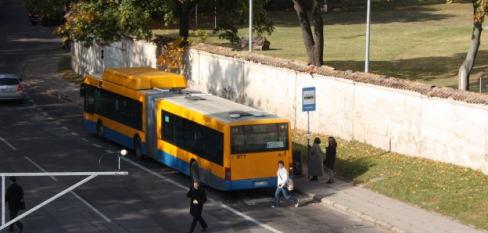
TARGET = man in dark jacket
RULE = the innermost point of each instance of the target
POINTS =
(14, 196)
(198, 197)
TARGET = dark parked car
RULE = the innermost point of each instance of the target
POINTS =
(36, 16)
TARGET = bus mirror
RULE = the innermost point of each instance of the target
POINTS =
(82, 89)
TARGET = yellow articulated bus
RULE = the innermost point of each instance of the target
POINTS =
(226, 145)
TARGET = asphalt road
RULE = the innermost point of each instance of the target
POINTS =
(46, 135)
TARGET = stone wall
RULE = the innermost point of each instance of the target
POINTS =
(410, 118)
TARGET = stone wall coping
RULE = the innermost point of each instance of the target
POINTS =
(361, 77)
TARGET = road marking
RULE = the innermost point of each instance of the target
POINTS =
(40, 168)
(65, 128)
(40, 109)
(84, 139)
(50, 118)
(31, 101)
(154, 173)
(91, 207)
(250, 219)
(8, 143)
(75, 134)
(96, 145)
(57, 123)
(45, 113)
(76, 195)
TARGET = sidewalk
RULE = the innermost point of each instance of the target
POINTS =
(41, 72)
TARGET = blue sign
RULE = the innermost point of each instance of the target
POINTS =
(308, 99)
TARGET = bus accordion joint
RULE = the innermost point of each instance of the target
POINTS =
(227, 173)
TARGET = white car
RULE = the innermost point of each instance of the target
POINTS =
(11, 88)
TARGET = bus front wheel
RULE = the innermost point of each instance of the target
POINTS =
(100, 130)
(138, 148)
(194, 171)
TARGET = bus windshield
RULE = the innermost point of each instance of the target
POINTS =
(259, 138)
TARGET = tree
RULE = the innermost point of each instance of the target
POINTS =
(479, 12)
(108, 21)
(314, 46)
(237, 12)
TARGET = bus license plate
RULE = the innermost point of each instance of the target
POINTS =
(257, 183)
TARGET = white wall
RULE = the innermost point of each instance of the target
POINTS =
(402, 120)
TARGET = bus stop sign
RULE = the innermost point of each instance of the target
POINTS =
(308, 99)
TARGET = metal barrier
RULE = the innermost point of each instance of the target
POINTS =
(90, 175)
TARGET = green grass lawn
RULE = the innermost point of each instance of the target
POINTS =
(424, 43)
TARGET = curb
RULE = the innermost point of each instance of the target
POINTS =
(376, 222)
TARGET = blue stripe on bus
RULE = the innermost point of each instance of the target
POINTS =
(217, 182)
(114, 136)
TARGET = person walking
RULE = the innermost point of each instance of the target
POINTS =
(330, 157)
(282, 181)
(14, 196)
(198, 197)
(315, 166)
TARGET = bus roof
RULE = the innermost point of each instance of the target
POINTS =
(143, 78)
(216, 107)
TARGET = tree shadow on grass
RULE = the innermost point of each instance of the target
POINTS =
(436, 70)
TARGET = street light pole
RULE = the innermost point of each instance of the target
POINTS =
(366, 60)
(250, 25)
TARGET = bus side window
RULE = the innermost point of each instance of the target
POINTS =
(167, 129)
(180, 132)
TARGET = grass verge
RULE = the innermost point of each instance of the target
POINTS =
(447, 189)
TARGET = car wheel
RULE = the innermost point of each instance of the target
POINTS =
(138, 148)
(194, 171)
(100, 130)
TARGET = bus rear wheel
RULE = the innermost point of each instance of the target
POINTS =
(138, 148)
(100, 130)
(194, 172)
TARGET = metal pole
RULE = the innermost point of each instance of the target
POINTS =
(366, 60)
(3, 200)
(308, 141)
(196, 17)
(215, 11)
(250, 25)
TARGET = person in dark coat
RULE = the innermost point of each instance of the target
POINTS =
(315, 167)
(14, 196)
(198, 197)
(330, 157)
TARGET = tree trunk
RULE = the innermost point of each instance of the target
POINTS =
(467, 66)
(315, 48)
(184, 11)
(318, 53)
